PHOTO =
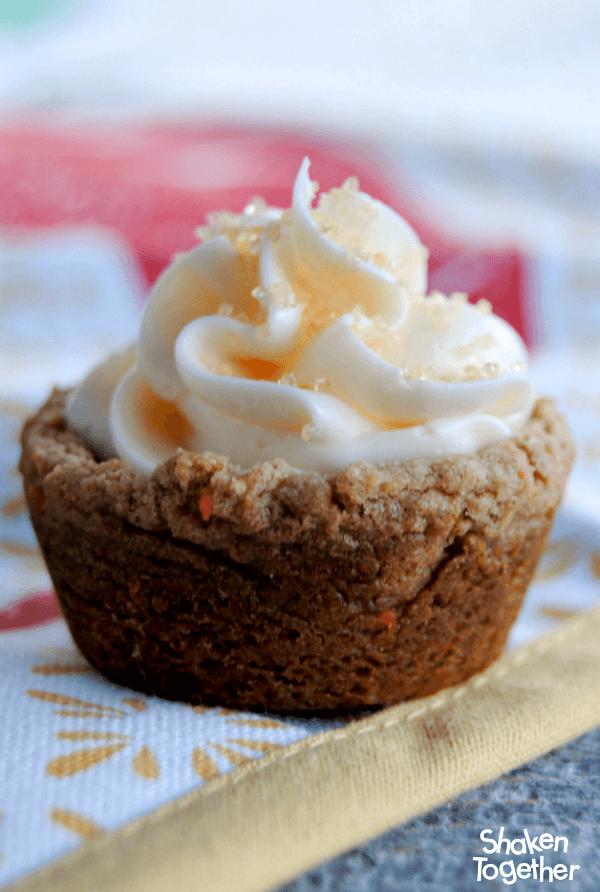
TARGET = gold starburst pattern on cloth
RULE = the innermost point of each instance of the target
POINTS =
(61, 669)
(559, 556)
(77, 823)
(80, 757)
(145, 762)
(21, 549)
(557, 612)
(91, 735)
(258, 723)
(135, 703)
(82, 760)
(83, 705)
(13, 506)
(204, 766)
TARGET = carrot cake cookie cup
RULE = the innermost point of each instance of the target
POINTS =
(309, 486)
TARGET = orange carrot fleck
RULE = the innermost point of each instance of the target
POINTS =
(389, 619)
(205, 505)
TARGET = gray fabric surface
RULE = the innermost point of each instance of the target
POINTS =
(557, 794)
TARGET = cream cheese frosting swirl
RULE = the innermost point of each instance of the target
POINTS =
(306, 335)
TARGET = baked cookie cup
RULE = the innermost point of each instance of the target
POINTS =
(285, 590)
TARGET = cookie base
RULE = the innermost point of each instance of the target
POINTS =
(277, 589)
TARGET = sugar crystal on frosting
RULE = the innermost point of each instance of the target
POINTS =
(288, 378)
(308, 432)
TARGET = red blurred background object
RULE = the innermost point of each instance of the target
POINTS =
(34, 609)
(155, 186)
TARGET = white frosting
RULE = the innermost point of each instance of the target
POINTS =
(306, 335)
